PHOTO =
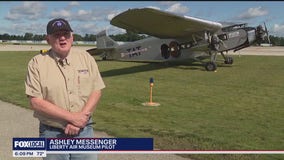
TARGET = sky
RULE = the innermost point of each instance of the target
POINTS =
(91, 17)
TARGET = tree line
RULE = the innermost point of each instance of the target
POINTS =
(126, 37)
(276, 41)
(36, 37)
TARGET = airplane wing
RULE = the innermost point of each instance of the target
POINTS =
(163, 24)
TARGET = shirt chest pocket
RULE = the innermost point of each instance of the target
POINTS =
(85, 83)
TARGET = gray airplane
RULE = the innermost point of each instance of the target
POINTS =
(174, 37)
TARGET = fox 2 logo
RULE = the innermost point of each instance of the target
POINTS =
(28, 143)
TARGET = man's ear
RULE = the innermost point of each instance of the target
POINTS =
(47, 39)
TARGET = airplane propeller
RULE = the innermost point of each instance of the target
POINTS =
(261, 34)
(266, 31)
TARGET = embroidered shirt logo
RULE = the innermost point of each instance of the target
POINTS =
(83, 71)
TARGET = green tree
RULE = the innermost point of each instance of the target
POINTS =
(77, 37)
(28, 36)
(5, 36)
(37, 37)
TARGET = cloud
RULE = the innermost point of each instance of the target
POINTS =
(89, 28)
(167, 2)
(112, 30)
(61, 13)
(253, 13)
(85, 20)
(28, 10)
(278, 30)
(178, 8)
(112, 14)
(153, 7)
(13, 16)
(71, 12)
(22, 28)
(84, 15)
(74, 3)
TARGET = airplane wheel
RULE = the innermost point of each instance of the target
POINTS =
(210, 66)
(174, 49)
(165, 51)
(104, 58)
(229, 60)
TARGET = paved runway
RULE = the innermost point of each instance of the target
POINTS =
(9, 47)
(274, 51)
(261, 51)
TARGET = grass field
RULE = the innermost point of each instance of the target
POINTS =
(239, 107)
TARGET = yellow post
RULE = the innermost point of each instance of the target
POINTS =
(151, 90)
(151, 103)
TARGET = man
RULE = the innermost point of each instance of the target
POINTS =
(64, 88)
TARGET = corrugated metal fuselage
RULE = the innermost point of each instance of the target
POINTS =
(148, 49)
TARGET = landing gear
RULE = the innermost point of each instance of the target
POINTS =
(174, 49)
(211, 66)
(229, 60)
(104, 57)
(165, 51)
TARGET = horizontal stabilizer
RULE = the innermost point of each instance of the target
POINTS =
(97, 51)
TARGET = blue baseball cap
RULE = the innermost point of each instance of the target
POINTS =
(58, 24)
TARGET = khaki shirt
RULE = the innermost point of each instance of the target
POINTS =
(66, 84)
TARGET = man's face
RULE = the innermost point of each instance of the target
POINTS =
(61, 42)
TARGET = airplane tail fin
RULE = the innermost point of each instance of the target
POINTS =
(104, 41)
